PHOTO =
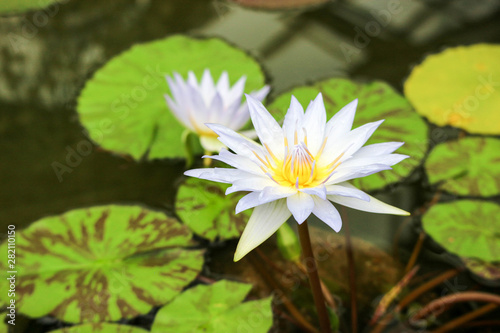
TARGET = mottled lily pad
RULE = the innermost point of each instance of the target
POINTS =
(214, 309)
(459, 87)
(123, 106)
(279, 4)
(468, 166)
(466, 228)
(19, 6)
(101, 264)
(100, 328)
(488, 272)
(377, 101)
(208, 212)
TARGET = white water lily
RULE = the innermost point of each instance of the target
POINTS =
(195, 104)
(299, 168)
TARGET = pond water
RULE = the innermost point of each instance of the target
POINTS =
(46, 59)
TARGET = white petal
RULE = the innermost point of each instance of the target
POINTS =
(221, 175)
(314, 124)
(237, 161)
(251, 183)
(248, 201)
(378, 149)
(215, 112)
(264, 222)
(261, 93)
(341, 123)
(223, 83)
(373, 206)
(348, 145)
(342, 175)
(388, 159)
(268, 130)
(319, 191)
(207, 86)
(301, 206)
(238, 143)
(192, 81)
(236, 91)
(210, 143)
(276, 192)
(179, 113)
(293, 118)
(347, 190)
(326, 212)
(268, 194)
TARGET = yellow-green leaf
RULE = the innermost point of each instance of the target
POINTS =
(459, 87)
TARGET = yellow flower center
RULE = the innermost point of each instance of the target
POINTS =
(299, 167)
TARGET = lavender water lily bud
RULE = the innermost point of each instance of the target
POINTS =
(300, 168)
(195, 103)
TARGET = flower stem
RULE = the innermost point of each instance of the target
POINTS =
(207, 161)
(456, 323)
(307, 252)
(352, 274)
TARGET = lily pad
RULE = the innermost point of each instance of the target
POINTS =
(468, 166)
(216, 308)
(279, 4)
(459, 87)
(377, 101)
(19, 6)
(488, 272)
(123, 106)
(466, 228)
(100, 328)
(208, 212)
(101, 263)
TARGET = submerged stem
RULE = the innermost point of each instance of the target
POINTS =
(312, 270)
(352, 274)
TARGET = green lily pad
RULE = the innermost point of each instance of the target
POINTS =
(4, 328)
(459, 87)
(485, 270)
(466, 228)
(377, 101)
(203, 206)
(123, 106)
(468, 166)
(100, 328)
(216, 308)
(101, 263)
(19, 6)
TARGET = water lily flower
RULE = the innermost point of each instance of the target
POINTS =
(195, 104)
(298, 169)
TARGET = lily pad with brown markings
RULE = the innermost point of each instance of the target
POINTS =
(468, 166)
(203, 206)
(467, 228)
(101, 263)
(215, 309)
(376, 101)
(488, 272)
(100, 328)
